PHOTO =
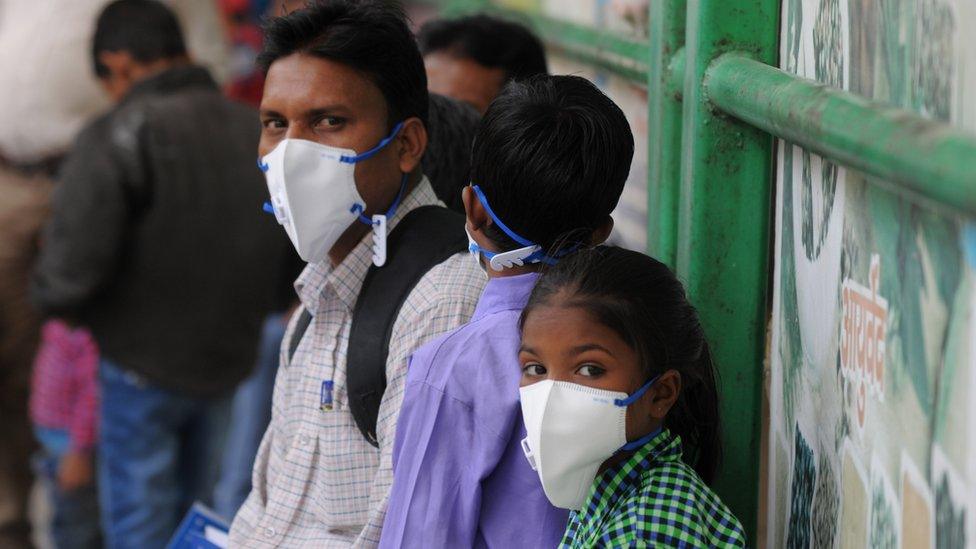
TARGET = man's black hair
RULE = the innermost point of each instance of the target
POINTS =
(370, 36)
(447, 160)
(146, 29)
(552, 156)
(488, 41)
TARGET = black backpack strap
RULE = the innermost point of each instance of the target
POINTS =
(424, 238)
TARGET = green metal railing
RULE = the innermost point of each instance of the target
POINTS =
(622, 56)
(665, 79)
(715, 104)
(723, 234)
(933, 160)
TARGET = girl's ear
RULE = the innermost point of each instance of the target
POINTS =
(411, 144)
(664, 393)
(602, 233)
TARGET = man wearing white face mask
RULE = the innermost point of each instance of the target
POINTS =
(343, 115)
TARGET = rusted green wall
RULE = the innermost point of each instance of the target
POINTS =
(872, 432)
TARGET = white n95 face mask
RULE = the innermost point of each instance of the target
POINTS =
(572, 429)
(314, 196)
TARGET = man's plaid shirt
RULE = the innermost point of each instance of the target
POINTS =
(317, 482)
(653, 500)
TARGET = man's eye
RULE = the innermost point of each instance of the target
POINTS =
(331, 121)
(534, 369)
(590, 370)
(274, 123)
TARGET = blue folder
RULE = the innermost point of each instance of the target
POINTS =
(201, 529)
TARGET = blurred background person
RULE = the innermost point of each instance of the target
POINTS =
(242, 19)
(205, 35)
(157, 242)
(48, 92)
(251, 405)
(64, 411)
(451, 127)
(468, 61)
(471, 58)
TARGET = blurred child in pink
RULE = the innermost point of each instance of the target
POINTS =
(63, 408)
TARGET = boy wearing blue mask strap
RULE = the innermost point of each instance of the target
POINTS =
(548, 166)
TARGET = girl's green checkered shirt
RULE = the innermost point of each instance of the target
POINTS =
(653, 499)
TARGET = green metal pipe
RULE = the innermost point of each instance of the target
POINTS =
(931, 159)
(622, 56)
(724, 232)
(665, 84)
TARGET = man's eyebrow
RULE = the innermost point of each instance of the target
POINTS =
(328, 109)
(590, 347)
(316, 111)
(524, 349)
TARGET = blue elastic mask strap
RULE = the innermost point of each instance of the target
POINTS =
(386, 141)
(502, 226)
(358, 208)
(474, 248)
(630, 446)
(541, 256)
(538, 257)
(636, 394)
(624, 402)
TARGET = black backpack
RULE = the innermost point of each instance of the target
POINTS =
(425, 237)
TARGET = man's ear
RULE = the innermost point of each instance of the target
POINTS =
(602, 233)
(664, 393)
(411, 144)
(474, 212)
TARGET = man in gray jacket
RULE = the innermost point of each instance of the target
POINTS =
(157, 242)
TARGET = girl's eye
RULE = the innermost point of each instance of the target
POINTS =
(590, 370)
(534, 369)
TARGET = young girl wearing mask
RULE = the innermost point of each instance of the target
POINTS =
(617, 381)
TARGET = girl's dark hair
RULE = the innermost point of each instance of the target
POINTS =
(641, 300)
(552, 156)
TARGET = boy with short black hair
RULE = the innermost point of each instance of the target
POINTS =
(548, 166)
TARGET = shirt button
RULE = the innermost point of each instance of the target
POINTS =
(304, 440)
(269, 532)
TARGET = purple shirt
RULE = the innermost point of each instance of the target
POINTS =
(460, 478)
